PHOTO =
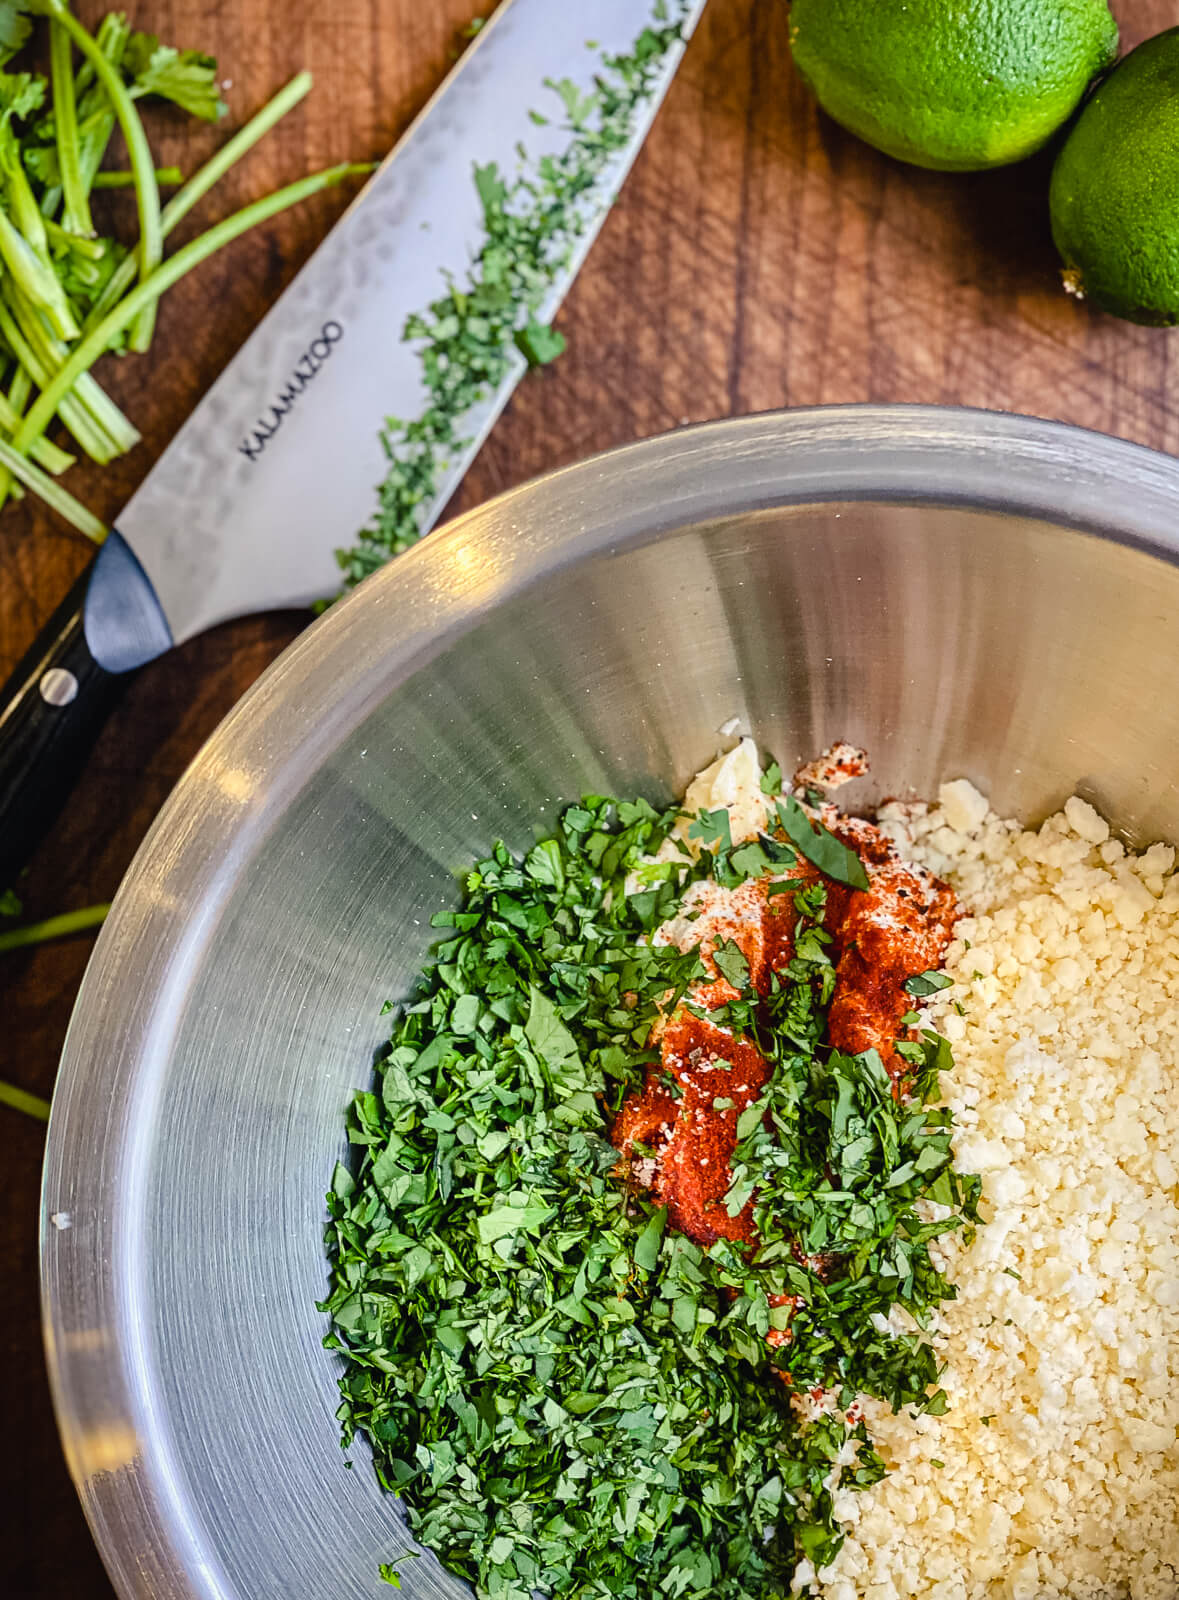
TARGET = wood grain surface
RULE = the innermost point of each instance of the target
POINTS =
(758, 257)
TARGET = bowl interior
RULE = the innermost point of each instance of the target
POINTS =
(234, 1003)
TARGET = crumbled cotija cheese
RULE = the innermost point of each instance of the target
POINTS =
(1061, 1468)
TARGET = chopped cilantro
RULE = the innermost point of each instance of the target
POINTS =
(569, 1396)
(470, 336)
(539, 344)
(757, 859)
(388, 1569)
(771, 779)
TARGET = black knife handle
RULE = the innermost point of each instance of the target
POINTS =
(51, 712)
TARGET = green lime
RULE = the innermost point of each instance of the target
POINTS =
(1115, 190)
(957, 84)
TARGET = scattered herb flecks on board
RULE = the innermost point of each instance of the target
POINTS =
(473, 333)
(568, 1396)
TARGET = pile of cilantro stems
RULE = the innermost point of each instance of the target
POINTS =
(68, 294)
(569, 1397)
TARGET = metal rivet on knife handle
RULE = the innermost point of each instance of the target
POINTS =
(58, 687)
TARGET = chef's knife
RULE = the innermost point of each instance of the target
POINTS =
(278, 465)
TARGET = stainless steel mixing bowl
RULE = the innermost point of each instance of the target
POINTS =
(960, 592)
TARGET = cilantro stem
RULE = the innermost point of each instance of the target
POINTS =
(124, 180)
(94, 341)
(147, 194)
(111, 36)
(21, 1100)
(76, 216)
(37, 281)
(233, 149)
(22, 204)
(54, 927)
(201, 182)
(58, 499)
(47, 454)
(19, 391)
(96, 128)
(88, 411)
(89, 249)
(39, 365)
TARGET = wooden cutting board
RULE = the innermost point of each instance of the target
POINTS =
(759, 257)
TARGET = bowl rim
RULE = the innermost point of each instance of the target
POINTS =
(107, 1411)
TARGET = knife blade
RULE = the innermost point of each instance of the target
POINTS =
(278, 464)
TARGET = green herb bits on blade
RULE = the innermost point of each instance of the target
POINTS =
(472, 334)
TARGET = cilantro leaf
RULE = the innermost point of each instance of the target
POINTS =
(548, 1035)
(730, 962)
(927, 983)
(388, 1569)
(646, 1251)
(712, 827)
(820, 846)
(750, 1119)
(512, 1218)
(464, 1016)
(578, 105)
(15, 28)
(490, 188)
(545, 864)
(21, 93)
(186, 77)
(538, 344)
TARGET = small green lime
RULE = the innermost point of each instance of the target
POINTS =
(1115, 190)
(956, 84)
